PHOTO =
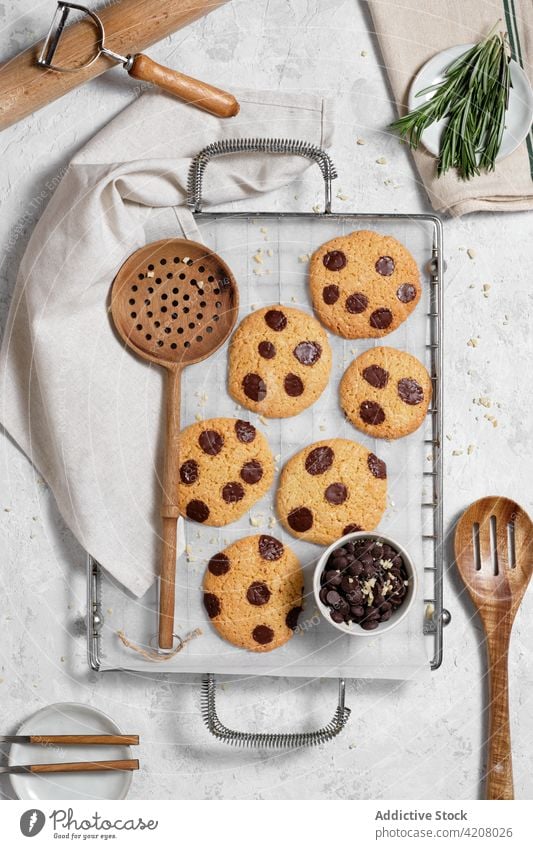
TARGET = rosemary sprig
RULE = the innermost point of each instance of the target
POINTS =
(473, 97)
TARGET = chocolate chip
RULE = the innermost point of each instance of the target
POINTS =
(356, 303)
(406, 293)
(336, 493)
(377, 466)
(333, 578)
(211, 442)
(300, 519)
(410, 391)
(276, 320)
(381, 318)
(319, 460)
(308, 353)
(267, 350)
(252, 471)
(385, 266)
(291, 620)
(197, 510)
(189, 471)
(254, 387)
(262, 634)
(245, 431)
(370, 624)
(293, 385)
(330, 294)
(351, 529)
(334, 260)
(270, 548)
(337, 616)
(322, 594)
(333, 598)
(258, 593)
(212, 605)
(371, 413)
(219, 564)
(376, 376)
(233, 492)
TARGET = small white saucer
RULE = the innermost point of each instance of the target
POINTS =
(519, 114)
(69, 718)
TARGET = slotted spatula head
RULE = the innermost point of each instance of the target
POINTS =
(493, 552)
(174, 302)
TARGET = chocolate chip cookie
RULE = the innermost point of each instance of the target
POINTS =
(364, 284)
(253, 593)
(225, 467)
(331, 488)
(279, 361)
(386, 392)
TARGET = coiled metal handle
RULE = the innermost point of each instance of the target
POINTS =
(293, 740)
(227, 146)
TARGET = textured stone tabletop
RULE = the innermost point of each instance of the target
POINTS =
(406, 741)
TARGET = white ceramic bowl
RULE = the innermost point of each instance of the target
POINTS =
(398, 613)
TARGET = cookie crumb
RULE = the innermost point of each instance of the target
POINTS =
(471, 252)
(486, 289)
(473, 342)
(316, 207)
(303, 258)
(483, 401)
(258, 257)
(360, 141)
(492, 419)
(382, 160)
(256, 521)
(364, 53)
(342, 196)
(457, 452)
(470, 449)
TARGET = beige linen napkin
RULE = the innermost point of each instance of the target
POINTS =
(410, 32)
(85, 411)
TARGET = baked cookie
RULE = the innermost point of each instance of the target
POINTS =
(331, 488)
(364, 284)
(253, 593)
(279, 361)
(225, 467)
(386, 392)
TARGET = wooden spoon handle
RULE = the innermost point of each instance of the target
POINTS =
(169, 510)
(85, 766)
(200, 94)
(499, 761)
(85, 739)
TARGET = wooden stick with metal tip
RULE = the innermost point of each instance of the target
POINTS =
(130, 27)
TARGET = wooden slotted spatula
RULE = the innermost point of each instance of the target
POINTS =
(494, 555)
(174, 303)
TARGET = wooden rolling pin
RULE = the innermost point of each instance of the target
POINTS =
(130, 26)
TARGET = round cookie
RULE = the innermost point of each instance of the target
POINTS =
(331, 488)
(363, 285)
(225, 467)
(279, 361)
(253, 593)
(386, 392)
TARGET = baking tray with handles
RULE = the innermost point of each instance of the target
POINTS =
(414, 515)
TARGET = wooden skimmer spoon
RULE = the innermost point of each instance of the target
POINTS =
(174, 303)
(494, 555)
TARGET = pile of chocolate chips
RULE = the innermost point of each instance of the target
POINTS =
(364, 581)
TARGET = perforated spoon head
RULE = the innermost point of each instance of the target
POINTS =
(494, 552)
(174, 302)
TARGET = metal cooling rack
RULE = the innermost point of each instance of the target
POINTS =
(436, 615)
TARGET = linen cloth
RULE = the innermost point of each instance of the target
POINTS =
(410, 32)
(61, 361)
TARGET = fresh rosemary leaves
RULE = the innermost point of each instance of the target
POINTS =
(474, 97)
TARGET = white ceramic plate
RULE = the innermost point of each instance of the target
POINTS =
(519, 114)
(69, 718)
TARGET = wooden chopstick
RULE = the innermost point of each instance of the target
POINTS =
(85, 739)
(84, 766)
